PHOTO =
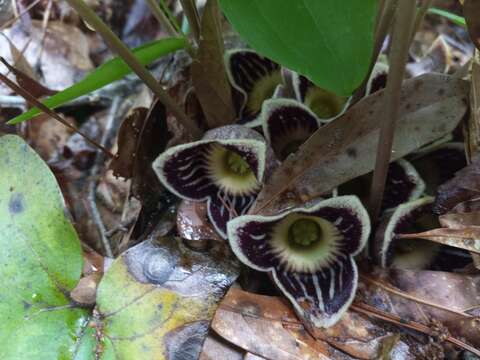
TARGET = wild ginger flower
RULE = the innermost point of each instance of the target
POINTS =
(225, 169)
(325, 104)
(286, 124)
(309, 252)
(255, 78)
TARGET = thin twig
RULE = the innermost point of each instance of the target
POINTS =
(115, 44)
(161, 17)
(26, 10)
(170, 16)
(426, 4)
(34, 102)
(384, 22)
(397, 320)
(400, 293)
(190, 10)
(92, 186)
(400, 45)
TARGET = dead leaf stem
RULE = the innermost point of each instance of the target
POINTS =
(115, 44)
(404, 22)
(191, 12)
(162, 18)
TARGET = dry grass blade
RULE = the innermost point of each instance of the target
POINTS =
(208, 71)
(397, 320)
(34, 102)
(190, 10)
(431, 106)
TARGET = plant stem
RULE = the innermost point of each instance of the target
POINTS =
(402, 30)
(161, 17)
(420, 16)
(384, 21)
(170, 16)
(190, 9)
(29, 98)
(115, 44)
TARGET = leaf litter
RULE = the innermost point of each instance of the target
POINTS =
(163, 296)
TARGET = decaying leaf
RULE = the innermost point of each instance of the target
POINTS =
(208, 71)
(26, 78)
(157, 299)
(128, 141)
(454, 297)
(464, 186)
(431, 107)
(267, 327)
(461, 230)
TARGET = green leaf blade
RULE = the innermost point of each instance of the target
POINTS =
(109, 72)
(40, 261)
(329, 41)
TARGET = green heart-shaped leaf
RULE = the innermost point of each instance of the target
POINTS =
(40, 260)
(328, 41)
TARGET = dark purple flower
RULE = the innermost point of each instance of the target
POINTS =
(287, 124)
(325, 104)
(403, 184)
(226, 173)
(411, 217)
(255, 77)
(309, 253)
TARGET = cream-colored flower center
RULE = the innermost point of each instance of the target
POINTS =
(324, 103)
(230, 171)
(263, 89)
(305, 243)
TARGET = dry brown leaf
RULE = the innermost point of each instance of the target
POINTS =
(431, 106)
(215, 348)
(265, 326)
(463, 187)
(208, 71)
(457, 292)
(127, 142)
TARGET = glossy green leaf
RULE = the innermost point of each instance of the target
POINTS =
(40, 260)
(109, 72)
(329, 41)
(157, 299)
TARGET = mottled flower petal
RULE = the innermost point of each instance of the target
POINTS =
(403, 184)
(223, 207)
(254, 76)
(191, 172)
(287, 124)
(318, 275)
(324, 296)
(414, 216)
(325, 104)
